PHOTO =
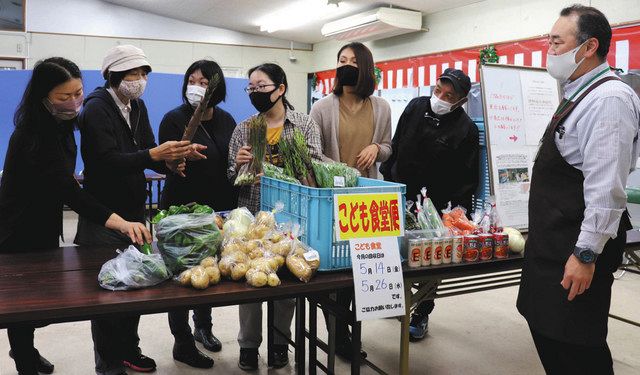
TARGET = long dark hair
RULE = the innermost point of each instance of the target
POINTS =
(47, 74)
(208, 68)
(277, 75)
(366, 76)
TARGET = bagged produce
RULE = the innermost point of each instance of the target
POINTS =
(410, 220)
(334, 174)
(237, 223)
(201, 276)
(184, 240)
(456, 220)
(303, 261)
(278, 173)
(132, 269)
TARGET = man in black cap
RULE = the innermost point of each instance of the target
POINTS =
(436, 146)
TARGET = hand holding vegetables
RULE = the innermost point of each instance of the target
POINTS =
(243, 156)
(248, 172)
(195, 152)
(137, 232)
(171, 150)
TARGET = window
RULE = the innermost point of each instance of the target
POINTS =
(12, 15)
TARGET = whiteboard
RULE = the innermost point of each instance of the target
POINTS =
(518, 104)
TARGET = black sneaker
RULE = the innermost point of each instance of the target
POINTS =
(207, 339)
(280, 356)
(43, 365)
(192, 357)
(248, 359)
(418, 327)
(139, 362)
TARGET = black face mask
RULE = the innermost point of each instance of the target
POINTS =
(347, 75)
(262, 100)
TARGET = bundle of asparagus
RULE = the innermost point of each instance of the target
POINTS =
(258, 142)
(297, 159)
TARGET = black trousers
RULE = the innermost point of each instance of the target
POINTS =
(179, 325)
(114, 339)
(425, 308)
(344, 297)
(24, 354)
(568, 359)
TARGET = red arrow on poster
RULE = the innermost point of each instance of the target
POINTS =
(513, 138)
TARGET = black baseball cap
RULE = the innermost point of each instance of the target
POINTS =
(460, 81)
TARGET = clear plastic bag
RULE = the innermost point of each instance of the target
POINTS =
(184, 240)
(334, 174)
(303, 261)
(132, 269)
(278, 173)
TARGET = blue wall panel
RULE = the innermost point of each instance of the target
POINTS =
(162, 94)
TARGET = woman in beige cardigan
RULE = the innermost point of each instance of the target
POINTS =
(355, 125)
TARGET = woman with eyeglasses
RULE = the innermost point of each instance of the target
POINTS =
(204, 182)
(267, 89)
(38, 179)
(355, 127)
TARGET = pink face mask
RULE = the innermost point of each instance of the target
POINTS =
(67, 110)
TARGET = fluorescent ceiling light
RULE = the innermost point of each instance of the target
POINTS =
(300, 13)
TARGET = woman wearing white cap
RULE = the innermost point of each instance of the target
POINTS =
(117, 146)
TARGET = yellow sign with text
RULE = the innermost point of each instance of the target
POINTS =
(368, 215)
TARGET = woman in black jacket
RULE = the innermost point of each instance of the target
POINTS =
(42, 151)
(117, 146)
(205, 182)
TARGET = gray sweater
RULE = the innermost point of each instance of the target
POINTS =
(326, 113)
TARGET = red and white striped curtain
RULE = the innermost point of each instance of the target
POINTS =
(624, 53)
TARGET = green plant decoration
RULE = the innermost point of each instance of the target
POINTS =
(489, 55)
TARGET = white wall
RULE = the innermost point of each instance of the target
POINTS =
(77, 30)
(490, 21)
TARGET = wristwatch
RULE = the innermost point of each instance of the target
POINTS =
(585, 255)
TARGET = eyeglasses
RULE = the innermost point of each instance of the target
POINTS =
(260, 88)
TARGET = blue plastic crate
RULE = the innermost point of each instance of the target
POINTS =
(312, 208)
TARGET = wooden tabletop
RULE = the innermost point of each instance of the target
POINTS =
(61, 285)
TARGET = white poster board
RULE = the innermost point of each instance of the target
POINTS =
(518, 105)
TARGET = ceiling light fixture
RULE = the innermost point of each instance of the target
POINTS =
(300, 13)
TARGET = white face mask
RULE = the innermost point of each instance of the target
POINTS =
(132, 89)
(194, 94)
(561, 67)
(439, 106)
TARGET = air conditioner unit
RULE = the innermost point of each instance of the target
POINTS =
(375, 24)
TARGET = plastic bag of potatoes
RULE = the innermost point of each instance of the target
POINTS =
(263, 271)
(201, 276)
(302, 261)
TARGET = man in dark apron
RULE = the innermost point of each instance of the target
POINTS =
(577, 215)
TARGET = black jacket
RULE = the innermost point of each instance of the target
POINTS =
(440, 153)
(37, 181)
(206, 180)
(115, 156)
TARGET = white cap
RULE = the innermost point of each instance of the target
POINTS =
(123, 58)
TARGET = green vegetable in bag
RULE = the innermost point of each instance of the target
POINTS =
(334, 175)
